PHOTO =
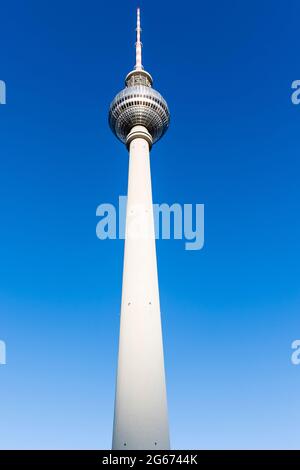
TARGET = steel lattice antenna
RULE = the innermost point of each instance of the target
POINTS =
(138, 44)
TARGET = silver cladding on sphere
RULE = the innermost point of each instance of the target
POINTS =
(139, 105)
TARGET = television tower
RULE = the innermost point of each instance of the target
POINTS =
(139, 117)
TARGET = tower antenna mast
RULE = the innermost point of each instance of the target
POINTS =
(138, 44)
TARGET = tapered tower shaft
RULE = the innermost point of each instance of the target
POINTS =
(141, 420)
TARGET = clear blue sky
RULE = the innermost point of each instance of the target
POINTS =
(231, 310)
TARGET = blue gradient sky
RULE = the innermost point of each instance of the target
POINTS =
(231, 310)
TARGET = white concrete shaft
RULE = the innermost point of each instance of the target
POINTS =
(141, 419)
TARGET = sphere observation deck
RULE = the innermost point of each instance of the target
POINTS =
(139, 105)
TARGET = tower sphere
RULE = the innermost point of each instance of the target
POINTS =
(139, 104)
